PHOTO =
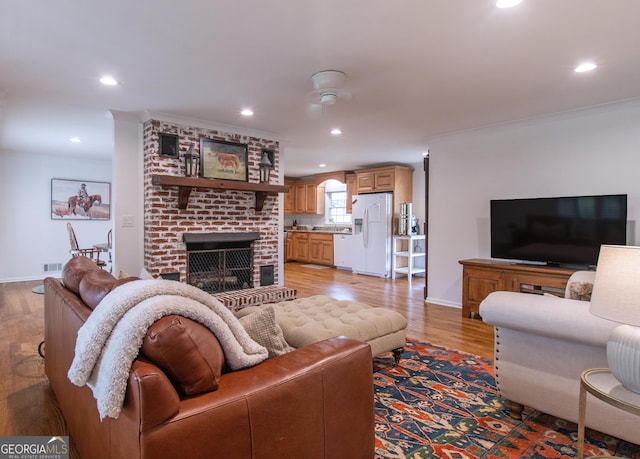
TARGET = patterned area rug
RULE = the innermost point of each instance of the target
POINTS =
(439, 403)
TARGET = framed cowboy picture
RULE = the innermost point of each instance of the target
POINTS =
(80, 200)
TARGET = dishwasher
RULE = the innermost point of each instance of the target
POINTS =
(342, 251)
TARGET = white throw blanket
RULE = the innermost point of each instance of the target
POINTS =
(111, 338)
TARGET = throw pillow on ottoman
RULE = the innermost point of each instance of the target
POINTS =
(262, 327)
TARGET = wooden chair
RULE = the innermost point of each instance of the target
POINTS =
(109, 235)
(106, 247)
(75, 250)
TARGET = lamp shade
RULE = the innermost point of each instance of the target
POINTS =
(616, 296)
(616, 289)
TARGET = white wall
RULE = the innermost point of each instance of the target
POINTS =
(28, 237)
(592, 151)
(128, 196)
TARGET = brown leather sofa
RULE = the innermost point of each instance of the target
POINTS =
(313, 402)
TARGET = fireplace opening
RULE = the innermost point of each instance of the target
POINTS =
(220, 262)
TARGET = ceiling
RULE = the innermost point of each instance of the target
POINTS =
(417, 69)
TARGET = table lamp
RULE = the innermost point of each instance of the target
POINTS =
(616, 296)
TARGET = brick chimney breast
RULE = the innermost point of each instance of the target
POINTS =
(208, 211)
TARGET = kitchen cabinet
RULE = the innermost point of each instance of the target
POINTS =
(381, 179)
(311, 194)
(299, 198)
(289, 197)
(351, 190)
(342, 249)
(395, 179)
(310, 247)
(375, 181)
(288, 247)
(300, 246)
(321, 249)
(307, 198)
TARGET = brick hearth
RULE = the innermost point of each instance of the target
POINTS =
(240, 299)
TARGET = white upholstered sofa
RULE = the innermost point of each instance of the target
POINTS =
(542, 344)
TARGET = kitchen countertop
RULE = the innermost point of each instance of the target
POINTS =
(319, 229)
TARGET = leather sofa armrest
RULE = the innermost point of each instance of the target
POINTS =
(546, 315)
(150, 396)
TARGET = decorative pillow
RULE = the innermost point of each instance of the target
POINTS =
(188, 352)
(74, 270)
(146, 275)
(580, 291)
(263, 329)
(94, 286)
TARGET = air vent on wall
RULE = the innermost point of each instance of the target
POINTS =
(50, 267)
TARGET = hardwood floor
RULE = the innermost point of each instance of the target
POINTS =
(28, 406)
(26, 400)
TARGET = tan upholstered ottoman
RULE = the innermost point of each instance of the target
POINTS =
(307, 320)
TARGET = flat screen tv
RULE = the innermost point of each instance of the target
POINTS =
(557, 231)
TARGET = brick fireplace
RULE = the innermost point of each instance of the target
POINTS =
(209, 211)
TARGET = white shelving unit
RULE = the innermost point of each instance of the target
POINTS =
(409, 255)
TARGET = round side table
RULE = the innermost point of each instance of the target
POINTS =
(603, 385)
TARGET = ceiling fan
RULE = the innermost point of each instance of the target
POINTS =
(328, 87)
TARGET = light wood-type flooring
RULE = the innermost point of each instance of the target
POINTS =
(28, 407)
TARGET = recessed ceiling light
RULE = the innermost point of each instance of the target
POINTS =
(507, 3)
(585, 67)
(246, 112)
(336, 131)
(322, 165)
(108, 81)
(74, 139)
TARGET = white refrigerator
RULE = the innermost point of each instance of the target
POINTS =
(371, 217)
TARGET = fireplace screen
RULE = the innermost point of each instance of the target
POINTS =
(220, 270)
(220, 262)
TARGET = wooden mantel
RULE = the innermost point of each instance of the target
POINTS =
(186, 184)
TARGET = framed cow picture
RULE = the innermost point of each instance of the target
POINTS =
(80, 200)
(224, 160)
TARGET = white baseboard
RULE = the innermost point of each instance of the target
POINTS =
(441, 302)
(23, 279)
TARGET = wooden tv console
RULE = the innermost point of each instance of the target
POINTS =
(481, 277)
